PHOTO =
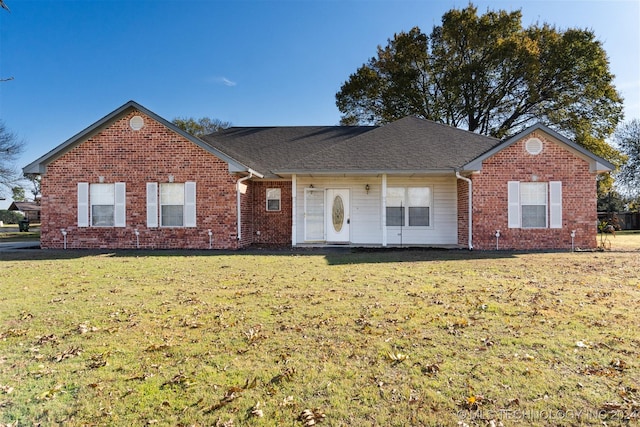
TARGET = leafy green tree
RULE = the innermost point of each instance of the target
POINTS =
(627, 139)
(10, 149)
(200, 127)
(18, 194)
(10, 217)
(488, 74)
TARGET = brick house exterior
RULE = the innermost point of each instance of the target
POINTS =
(554, 163)
(134, 180)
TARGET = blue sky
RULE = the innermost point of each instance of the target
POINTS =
(251, 63)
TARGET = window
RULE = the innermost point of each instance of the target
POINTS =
(102, 197)
(101, 205)
(273, 199)
(416, 200)
(395, 207)
(174, 205)
(535, 204)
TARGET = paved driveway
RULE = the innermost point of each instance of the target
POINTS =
(12, 246)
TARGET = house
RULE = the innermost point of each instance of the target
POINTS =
(31, 210)
(134, 180)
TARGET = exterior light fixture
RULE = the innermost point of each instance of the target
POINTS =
(366, 187)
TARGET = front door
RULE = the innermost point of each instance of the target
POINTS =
(338, 215)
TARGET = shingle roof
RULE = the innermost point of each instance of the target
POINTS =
(406, 145)
(267, 149)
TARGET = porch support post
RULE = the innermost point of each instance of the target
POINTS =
(294, 208)
(383, 213)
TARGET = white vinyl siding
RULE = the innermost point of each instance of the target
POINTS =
(368, 212)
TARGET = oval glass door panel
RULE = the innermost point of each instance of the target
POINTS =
(337, 213)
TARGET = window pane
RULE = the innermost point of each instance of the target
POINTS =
(273, 205)
(172, 216)
(533, 193)
(395, 216)
(534, 216)
(419, 216)
(395, 197)
(273, 193)
(273, 199)
(102, 194)
(172, 194)
(419, 197)
(102, 215)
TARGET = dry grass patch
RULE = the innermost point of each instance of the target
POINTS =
(389, 338)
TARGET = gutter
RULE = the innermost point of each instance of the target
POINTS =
(470, 238)
(252, 173)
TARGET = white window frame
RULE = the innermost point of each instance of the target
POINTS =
(517, 198)
(89, 196)
(155, 203)
(274, 194)
(403, 198)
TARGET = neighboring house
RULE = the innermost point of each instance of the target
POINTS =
(133, 179)
(30, 210)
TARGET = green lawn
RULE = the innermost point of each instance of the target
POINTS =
(354, 338)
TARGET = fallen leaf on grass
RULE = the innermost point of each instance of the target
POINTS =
(179, 379)
(255, 411)
(6, 389)
(232, 394)
(311, 417)
(13, 333)
(71, 352)
(157, 347)
(97, 361)
(431, 370)
(396, 357)
(47, 339)
(51, 393)
(287, 374)
(83, 328)
(226, 399)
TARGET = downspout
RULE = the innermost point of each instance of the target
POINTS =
(470, 238)
(239, 213)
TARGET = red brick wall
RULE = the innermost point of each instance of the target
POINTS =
(554, 163)
(463, 213)
(120, 154)
(274, 227)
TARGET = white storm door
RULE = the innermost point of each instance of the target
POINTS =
(338, 215)
(313, 215)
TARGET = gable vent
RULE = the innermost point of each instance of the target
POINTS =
(136, 122)
(533, 146)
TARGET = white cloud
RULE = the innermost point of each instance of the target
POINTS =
(222, 80)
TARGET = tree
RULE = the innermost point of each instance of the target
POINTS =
(489, 75)
(10, 149)
(200, 127)
(627, 139)
(18, 194)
